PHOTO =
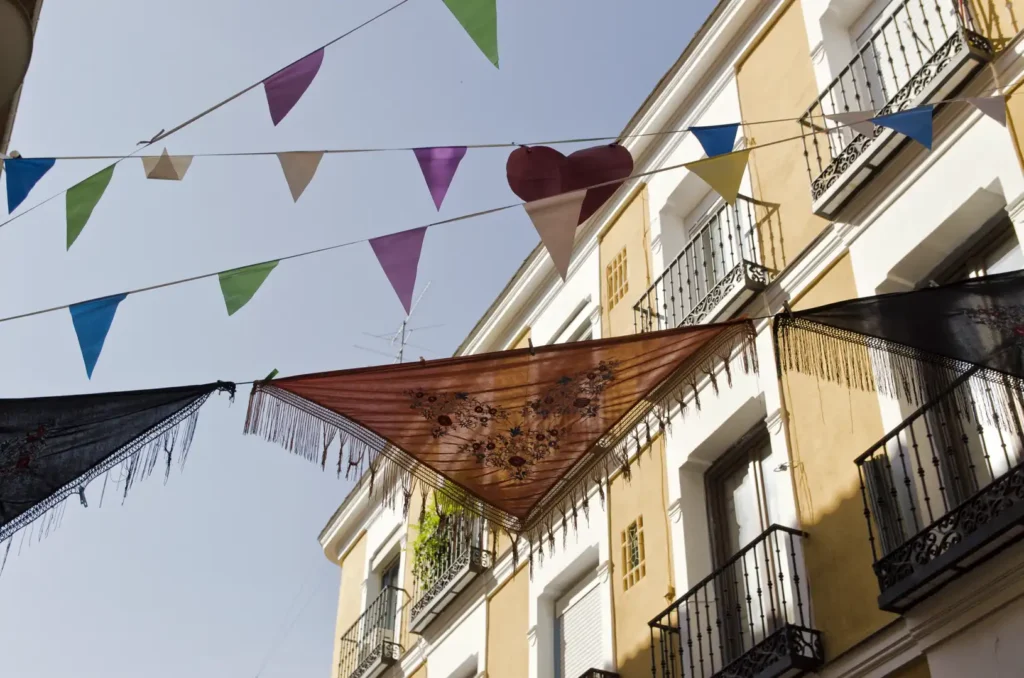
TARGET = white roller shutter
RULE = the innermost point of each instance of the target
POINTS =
(580, 633)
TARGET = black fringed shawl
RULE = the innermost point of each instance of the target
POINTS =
(51, 448)
(975, 325)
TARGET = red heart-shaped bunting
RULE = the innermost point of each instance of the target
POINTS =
(537, 172)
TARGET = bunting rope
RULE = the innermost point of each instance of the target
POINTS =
(163, 134)
(500, 144)
(328, 248)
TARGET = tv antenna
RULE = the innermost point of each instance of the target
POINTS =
(399, 339)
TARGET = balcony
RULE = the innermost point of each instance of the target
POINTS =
(717, 271)
(751, 617)
(922, 53)
(370, 647)
(437, 583)
(944, 490)
(598, 673)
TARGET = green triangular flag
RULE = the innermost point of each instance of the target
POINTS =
(480, 19)
(239, 284)
(82, 199)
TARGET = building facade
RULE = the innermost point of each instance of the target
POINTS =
(754, 537)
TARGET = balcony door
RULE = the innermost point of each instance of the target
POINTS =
(741, 505)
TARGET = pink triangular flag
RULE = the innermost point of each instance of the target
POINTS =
(438, 166)
(859, 121)
(286, 87)
(555, 219)
(399, 256)
(993, 107)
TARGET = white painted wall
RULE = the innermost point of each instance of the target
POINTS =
(991, 647)
(460, 651)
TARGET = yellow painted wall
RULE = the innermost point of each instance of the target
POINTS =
(631, 231)
(829, 426)
(643, 495)
(350, 594)
(776, 81)
(508, 614)
(411, 530)
(421, 672)
(523, 340)
(997, 20)
(915, 669)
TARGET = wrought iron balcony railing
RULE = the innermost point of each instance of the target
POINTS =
(721, 260)
(598, 673)
(944, 490)
(750, 617)
(371, 645)
(921, 53)
(437, 584)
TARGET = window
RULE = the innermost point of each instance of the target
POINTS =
(633, 565)
(740, 497)
(616, 279)
(579, 630)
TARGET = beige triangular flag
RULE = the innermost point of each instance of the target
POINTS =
(555, 219)
(723, 173)
(164, 166)
(993, 107)
(858, 121)
(299, 168)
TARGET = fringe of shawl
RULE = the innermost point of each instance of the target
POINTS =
(307, 430)
(898, 371)
(137, 460)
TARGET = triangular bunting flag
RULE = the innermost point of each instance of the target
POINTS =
(22, 176)
(92, 322)
(81, 200)
(915, 123)
(439, 165)
(164, 166)
(240, 284)
(858, 121)
(480, 19)
(399, 256)
(723, 173)
(716, 139)
(299, 168)
(286, 87)
(555, 219)
(993, 107)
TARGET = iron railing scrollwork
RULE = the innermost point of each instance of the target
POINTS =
(913, 47)
(373, 639)
(749, 616)
(947, 480)
(723, 256)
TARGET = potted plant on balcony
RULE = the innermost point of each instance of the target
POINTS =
(430, 548)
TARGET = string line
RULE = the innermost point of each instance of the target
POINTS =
(349, 243)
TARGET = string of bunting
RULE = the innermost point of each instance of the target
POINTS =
(559, 193)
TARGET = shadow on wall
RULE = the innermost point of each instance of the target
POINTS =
(770, 236)
(997, 21)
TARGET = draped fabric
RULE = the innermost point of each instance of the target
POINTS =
(976, 326)
(51, 448)
(514, 436)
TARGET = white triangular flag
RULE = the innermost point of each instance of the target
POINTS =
(168, 167)
(859, 121)
(299, 168)
(555, 219)
(993, 107)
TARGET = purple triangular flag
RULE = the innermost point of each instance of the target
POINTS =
(439, 165)
(399, 256)
(993, 107)
(286, 87)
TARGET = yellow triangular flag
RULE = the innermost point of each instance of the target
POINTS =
(299, 168)
(164, 166)
(723, 173)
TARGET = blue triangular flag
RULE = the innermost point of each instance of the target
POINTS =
(22, 176)
(916, 123)
(92, 322)
(716, 139)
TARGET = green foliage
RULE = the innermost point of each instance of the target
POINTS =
(430, 547)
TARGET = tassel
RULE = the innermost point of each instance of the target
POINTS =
(81, 496)
(7, 552)
(565, 527)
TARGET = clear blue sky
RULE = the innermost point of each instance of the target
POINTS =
(198, 577)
